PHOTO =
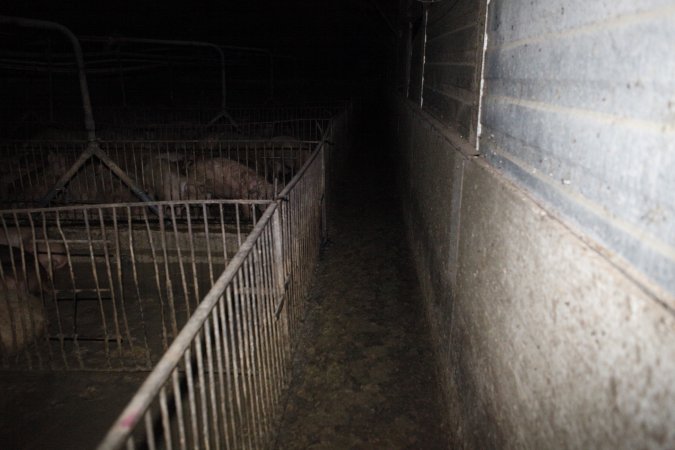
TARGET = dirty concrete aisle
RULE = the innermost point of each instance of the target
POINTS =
(364, 374)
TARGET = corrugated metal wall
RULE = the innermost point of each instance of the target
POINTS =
(579, 106)
(451, 71)
(546, 259)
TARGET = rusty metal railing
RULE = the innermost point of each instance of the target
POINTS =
(165, 168)
(93, 148)
(107, 288)
(220, 383)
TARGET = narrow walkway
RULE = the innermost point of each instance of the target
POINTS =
(364, 375)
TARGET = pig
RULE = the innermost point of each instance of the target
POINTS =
(290, 155)
(34, 279)
(22, 318)
(80, 189)
(226, 179)
(164, 180)
(46, 253)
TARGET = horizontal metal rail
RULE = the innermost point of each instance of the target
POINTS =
(89, 125)
(149, 390)
(278, 225)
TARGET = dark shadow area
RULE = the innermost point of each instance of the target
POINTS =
(364, 375)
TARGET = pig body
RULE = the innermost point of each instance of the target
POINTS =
(22, 318)
(164, 180)
(227, 179)
(22, 284)
(223, 178)
(81, 188)
(33, 280)
(53, 253)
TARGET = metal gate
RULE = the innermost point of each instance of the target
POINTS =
(220, 383)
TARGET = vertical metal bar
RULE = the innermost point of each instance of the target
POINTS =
(256, 366)
(279, 275)
(94, 272)
(234, 295)
(84, 89)
(51, 79)
(183, 278)
(166, 420)
(149, 431)
(248, 345)
(214, 431)
(219, 333)
(160, 297)
(271, 57)
(260, 327)
(41, 283)
(134, 272)
(270, 320)
(324, 220)
(178, 399)
(424, 52)
(111, 284)
(167, 274)
(14, 321)
(231, 374)
(202, 390)
(121, 75)
(195, 276)
(76, 342)
(223, 234)
(187, 359)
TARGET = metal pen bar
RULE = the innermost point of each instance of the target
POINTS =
(215, 47)
(84, 89)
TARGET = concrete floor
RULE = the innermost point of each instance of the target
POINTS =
(364, 375)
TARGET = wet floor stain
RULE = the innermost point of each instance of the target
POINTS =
(364, 374)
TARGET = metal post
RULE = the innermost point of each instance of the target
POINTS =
(271, 76)
(51, 80)
(93, 147)
(132, 40)
(324, 219)
(84, 89)
(122, 84)
(279, 275)
(172, 98)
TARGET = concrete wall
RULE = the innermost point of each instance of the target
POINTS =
(547, 333)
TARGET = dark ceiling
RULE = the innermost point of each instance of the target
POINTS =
(282, 25)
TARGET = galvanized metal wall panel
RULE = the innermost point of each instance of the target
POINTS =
(579, 106)
(453, 62)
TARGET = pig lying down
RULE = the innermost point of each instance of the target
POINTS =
(25, 279)
(213, 178)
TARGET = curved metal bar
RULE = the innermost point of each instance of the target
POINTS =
(131, 40)
(89, 125)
